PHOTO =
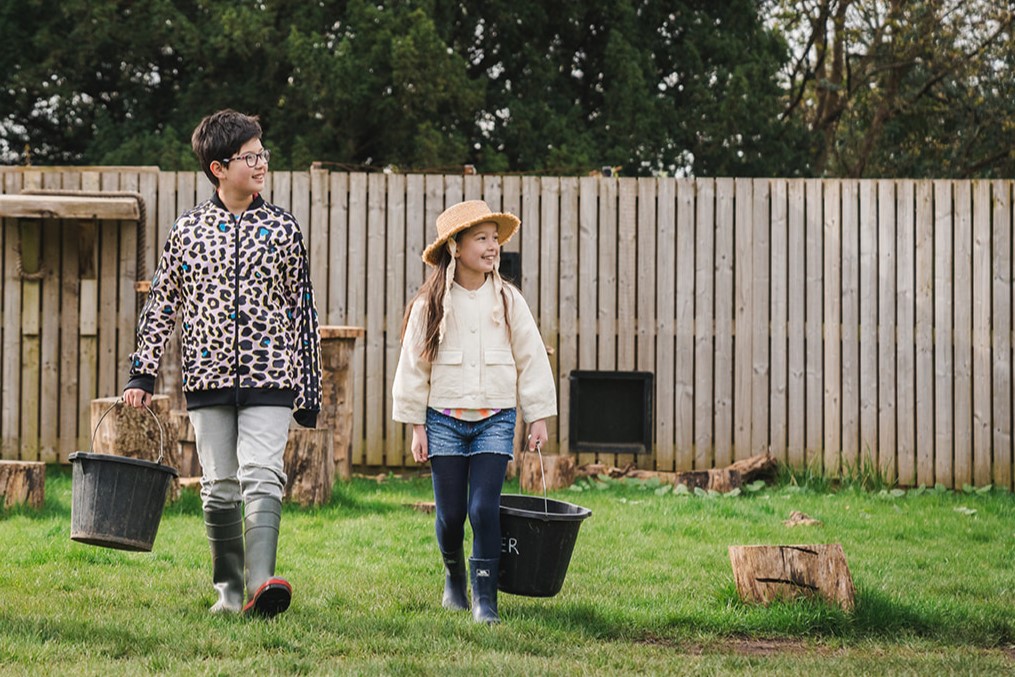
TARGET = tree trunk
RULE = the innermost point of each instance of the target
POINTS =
(764, 573)
(22, 483)
(337, 344)
(133, 433)
(309, 466)
(559, 468)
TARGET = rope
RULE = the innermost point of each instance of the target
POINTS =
(142, 220)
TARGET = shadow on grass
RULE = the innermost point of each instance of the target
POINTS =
(112, 639)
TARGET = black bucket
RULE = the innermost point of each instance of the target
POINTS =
(117, 502)
(537, 539)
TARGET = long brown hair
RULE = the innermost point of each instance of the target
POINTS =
(432, 292)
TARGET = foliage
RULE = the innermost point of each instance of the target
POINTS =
(687, 87)
(903, 89)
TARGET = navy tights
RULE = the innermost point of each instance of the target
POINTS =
(469, 486)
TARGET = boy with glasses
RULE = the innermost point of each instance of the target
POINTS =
(235, 272)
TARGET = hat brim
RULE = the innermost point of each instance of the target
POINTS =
(507, 226)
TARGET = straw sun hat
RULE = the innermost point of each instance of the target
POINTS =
(457, 218)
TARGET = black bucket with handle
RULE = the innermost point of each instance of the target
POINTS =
(537, 540)
(117, 502)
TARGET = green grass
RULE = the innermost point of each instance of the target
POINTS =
(649, 590)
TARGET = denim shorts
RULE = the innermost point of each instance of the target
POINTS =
(449, 436)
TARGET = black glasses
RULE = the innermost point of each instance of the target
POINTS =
(250, 158)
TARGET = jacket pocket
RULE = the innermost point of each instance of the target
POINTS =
(501, 375)
(446, 376)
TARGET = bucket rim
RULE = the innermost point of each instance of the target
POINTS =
(89, 456)
(579, 515)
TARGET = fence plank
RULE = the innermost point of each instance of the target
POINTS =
(887, 271)
(779, 318)
(905, 455)
(319, 242)
(724, 313)
(647, 286)
(567, 356)
(704, 321)
(49, 395)
(126, 276)
(31, 299)
(588, 281)
(684, 423)
(609, 282)
(549, 274)
(962, 327)
(868, 323)
(11, 441)
(925, 333)
(850, 316)
(627, 265)
(1001, 208)
(795, 389)
(356, 255)
(944, 365)
(832, 275)
(981, 309)
(338, 249)
(373, 312)
(760, 312)
(396, 451)
(743, 279)
(814, 386)
(675, 203)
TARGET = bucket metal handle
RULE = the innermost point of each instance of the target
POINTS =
(542, 473)
(162, 433)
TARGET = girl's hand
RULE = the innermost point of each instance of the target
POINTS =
(137, 398)
(419, 443)
(537, 434)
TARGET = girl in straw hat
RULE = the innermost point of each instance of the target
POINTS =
(471, 354)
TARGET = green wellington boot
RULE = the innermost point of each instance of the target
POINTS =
(267, 595)
(456, 596)
(484, 590)
(225, 536)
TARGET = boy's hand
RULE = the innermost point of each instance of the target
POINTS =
(137, 398)
(419, 450)
(537, 434)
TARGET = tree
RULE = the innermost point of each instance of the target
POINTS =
(899, 88)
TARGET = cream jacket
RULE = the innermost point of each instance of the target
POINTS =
(479, 364)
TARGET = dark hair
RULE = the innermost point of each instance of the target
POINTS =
(220, 135)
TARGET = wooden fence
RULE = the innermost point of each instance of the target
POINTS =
(840, 324)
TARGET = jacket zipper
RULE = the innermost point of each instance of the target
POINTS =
(236, 307)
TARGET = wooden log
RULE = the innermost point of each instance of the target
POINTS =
(130, 432)
(309, 466)
(761, 465)
(68, 207)
(722, 480)
(764, 573)
(559, 469)
(22, 483)
(337, 345)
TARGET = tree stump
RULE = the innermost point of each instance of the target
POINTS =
(186, 446)
(764, 573)
(559, 468)
(132, 433)
(22, 483)
(722, 480)
(309, 466)
(337, 344)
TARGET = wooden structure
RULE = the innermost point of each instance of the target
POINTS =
(837, 323)
(765, 573)
(22, 483)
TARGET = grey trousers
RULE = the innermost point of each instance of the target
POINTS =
(240, 450)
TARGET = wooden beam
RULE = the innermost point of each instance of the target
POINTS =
(68, 207)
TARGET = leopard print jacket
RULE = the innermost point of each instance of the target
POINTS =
(241, 289)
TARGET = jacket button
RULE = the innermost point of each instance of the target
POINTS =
(473, 330)
(473, 364)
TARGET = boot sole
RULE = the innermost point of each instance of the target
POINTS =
(271, 599)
